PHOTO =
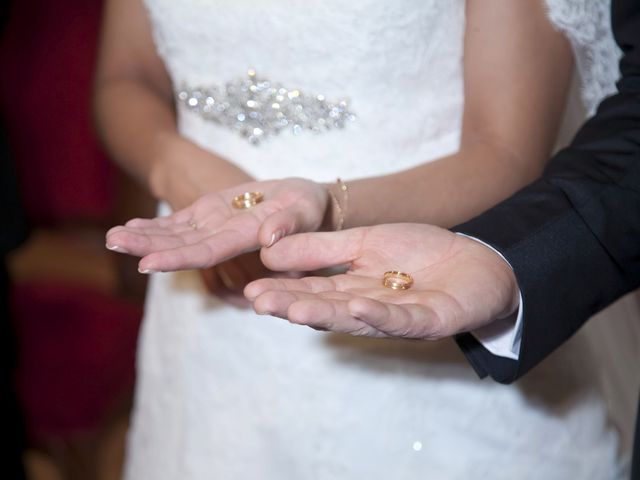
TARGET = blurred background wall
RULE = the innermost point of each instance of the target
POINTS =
(71, 309)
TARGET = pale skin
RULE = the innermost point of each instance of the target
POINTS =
(135, 116)
(458, 284)
(517, 73)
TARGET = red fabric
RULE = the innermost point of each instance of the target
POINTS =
(47, 56)
(77, 350)
(76, 345)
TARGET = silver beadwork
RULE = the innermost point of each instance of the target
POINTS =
(258, 108)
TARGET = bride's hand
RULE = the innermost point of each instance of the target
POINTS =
(458, 283)
(211, 230)
(228, 279)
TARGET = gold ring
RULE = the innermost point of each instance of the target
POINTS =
(396, 280)
(247, 200)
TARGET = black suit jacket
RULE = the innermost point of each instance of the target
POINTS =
(573, 237)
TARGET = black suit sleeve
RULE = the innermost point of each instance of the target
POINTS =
(573, 237)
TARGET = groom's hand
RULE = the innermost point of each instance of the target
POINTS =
(458, 283)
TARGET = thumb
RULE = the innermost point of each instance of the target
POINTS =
(313, 251)
(278, 225)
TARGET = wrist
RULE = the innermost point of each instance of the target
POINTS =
(514, 292)
(329, 220)
(182, 171)
(504, 276)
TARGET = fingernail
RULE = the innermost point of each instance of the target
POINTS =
(273, 239)
(275, 236)
(116, 248)
(147, 271)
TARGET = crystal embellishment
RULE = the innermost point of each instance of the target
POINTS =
(258, 109)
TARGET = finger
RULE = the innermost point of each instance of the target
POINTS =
(211, 251)
(211, 280)
(307, 284)
(279, 225)
(276, 302)
(177, 229)
(339, 283)
(115, 229)
(408, 320)
(150, 222)
(233, 277)
(327, 311)
(312, 251)
(133, 243)
(182, 258)
(329, 314)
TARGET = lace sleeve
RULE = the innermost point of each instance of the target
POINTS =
(587, 25)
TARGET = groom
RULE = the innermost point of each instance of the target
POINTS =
(572, 240)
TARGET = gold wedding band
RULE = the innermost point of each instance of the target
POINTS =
(247, 200)
(396, 280)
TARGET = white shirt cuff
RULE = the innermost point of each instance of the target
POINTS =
(501, 337)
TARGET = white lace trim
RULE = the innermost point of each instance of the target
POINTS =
(587, 25)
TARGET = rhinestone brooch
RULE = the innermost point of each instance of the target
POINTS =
(259, 109)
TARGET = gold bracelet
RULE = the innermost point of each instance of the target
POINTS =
(338, 208)
(341, 210)
(345, 197)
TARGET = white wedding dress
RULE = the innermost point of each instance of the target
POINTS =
(225, 394)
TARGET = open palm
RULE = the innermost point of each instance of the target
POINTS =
(210, 230)
(459, 284)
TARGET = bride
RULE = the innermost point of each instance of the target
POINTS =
(432, 112)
